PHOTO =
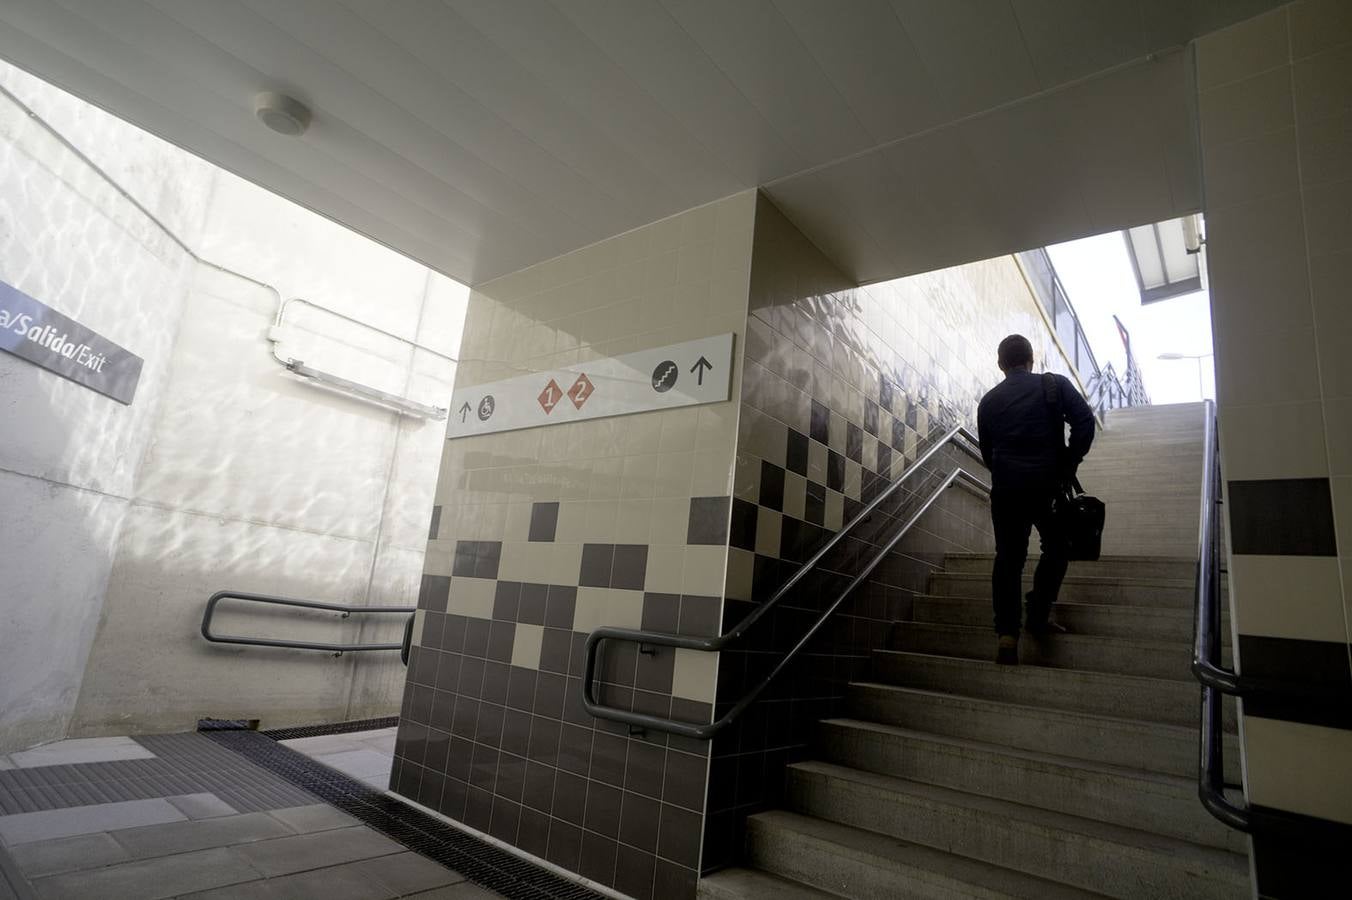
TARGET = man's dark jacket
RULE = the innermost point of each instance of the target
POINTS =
(1022, 441)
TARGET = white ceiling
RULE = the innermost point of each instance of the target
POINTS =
(480, 136)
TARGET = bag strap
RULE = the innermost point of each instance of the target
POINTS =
(1051, 392)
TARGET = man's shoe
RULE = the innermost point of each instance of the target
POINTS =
(1008, 654)
(1042, 629)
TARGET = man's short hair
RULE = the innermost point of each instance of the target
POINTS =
(1015, 350)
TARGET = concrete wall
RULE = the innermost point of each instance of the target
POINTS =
(1276, 119)
(226, 471)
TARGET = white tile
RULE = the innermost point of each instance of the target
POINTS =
(1247, 108)
(1265, 605)
(1282, 440)
(526, 645)
(1241, 50)
(23, 828)
(80, 750)
(1300, 768)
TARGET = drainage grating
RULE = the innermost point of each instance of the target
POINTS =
(304, 731)
(480, 862)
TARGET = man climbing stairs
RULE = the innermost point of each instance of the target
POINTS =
(1072, 775)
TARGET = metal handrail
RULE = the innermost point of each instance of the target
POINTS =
(958, 436)
(336, 649)
(1216, 679)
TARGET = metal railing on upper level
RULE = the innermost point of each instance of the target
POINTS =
(342, 609)
(959, 437)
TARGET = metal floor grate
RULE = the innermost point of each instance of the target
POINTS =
(304, 731)
(480, 862)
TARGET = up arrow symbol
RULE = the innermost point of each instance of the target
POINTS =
(701, 366)
(464, 411)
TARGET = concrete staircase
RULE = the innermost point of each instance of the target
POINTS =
(1072, 775)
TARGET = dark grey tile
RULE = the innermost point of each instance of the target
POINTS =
(1282, 517)
(673, 880)
(506, 818)
(435, 525)
(544, 741)
(871, 417)
(488, 557)
(708, 520)
(814, 505)
(885, 392)
(565, 844)
(570, 798)
(683, 780)
(598, 857)
(742, 526)
(655, 670)
(771, 486)
(1320, 666)
(501, 636)
(634, 872)
(820, 423)
(700, 616)
(661, 612)
(534, 603)
(560, 606)
(555, 647)
(639, 818)
(630, 567)
(521, 688)
(796, 455)
(884, 461)
(539, 787)
(476, 637)
(835, 471)
(506, 600)
(434, 592)
(532, 834)
(597, 560)
(644, 768)
(544, 521)
(854, 442)
(466, 559)
(678, 836)
(898, 435)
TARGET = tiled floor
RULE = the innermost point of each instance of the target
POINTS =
(365, 755)
(180, 816)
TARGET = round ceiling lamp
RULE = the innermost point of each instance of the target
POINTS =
(283, 114)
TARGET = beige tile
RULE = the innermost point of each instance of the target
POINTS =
(572, 520)
(1246, 170)
(639, 479)
(519, 560)
(671, 520)
(712, 474)
(1326, 150)
(633, 524)
(1318, 25)
(1264, 603)
(673, 474)
(703, 570)
(1283, 440)
(816, 462)
(741, 565)
(835, 510)
(1254, 45)
(1342, 510)
(472, 597)
(695, 676)
(1265, 368)
(526, 646)
(601, 518)
(1338, 430)
(795, 494)
(665, 569)
(419, 619)
(746, 477)
(1321, 84)
(1299, 768)
(565, 564)
(769, 524)
(1247, 108)
(1264, 291)
(1328, 217)
(679, 429)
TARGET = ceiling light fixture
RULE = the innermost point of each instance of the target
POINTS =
(283, 114)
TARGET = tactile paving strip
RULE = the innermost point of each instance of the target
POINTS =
(479, 861)
(183, 764)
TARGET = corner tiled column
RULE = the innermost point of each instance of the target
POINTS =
(1276, 127)
(544, 534)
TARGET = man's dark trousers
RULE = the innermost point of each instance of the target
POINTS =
(1014, 512)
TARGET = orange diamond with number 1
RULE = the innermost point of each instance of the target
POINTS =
(581, 390)
(550, 396)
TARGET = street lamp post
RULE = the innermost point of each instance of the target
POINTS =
(1201, 392)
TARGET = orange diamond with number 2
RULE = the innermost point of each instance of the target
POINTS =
(581, 390)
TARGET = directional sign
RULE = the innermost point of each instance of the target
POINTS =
(687, 374)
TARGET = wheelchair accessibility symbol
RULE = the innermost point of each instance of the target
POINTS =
(486, 406)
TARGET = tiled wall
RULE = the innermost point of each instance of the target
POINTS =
(844, 387)
(544, 534)
(1276, 127)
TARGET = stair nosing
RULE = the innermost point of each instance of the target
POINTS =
(1051, 820)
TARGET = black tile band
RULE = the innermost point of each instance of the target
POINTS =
(482, 863)
(1322, 666)
(1297, 856)
(1282, 517)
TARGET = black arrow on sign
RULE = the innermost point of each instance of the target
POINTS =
(700, 367)
(464, 411)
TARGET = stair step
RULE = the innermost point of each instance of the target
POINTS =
(1157, 592)
(1090, 653)
(1164, 804)
(1152, 746)
(1148, 567)
(1102, 619)
(852, 862)
(1092, 855)
(1161, 700)
(750, 884)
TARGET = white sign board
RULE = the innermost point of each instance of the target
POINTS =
(661, 378)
